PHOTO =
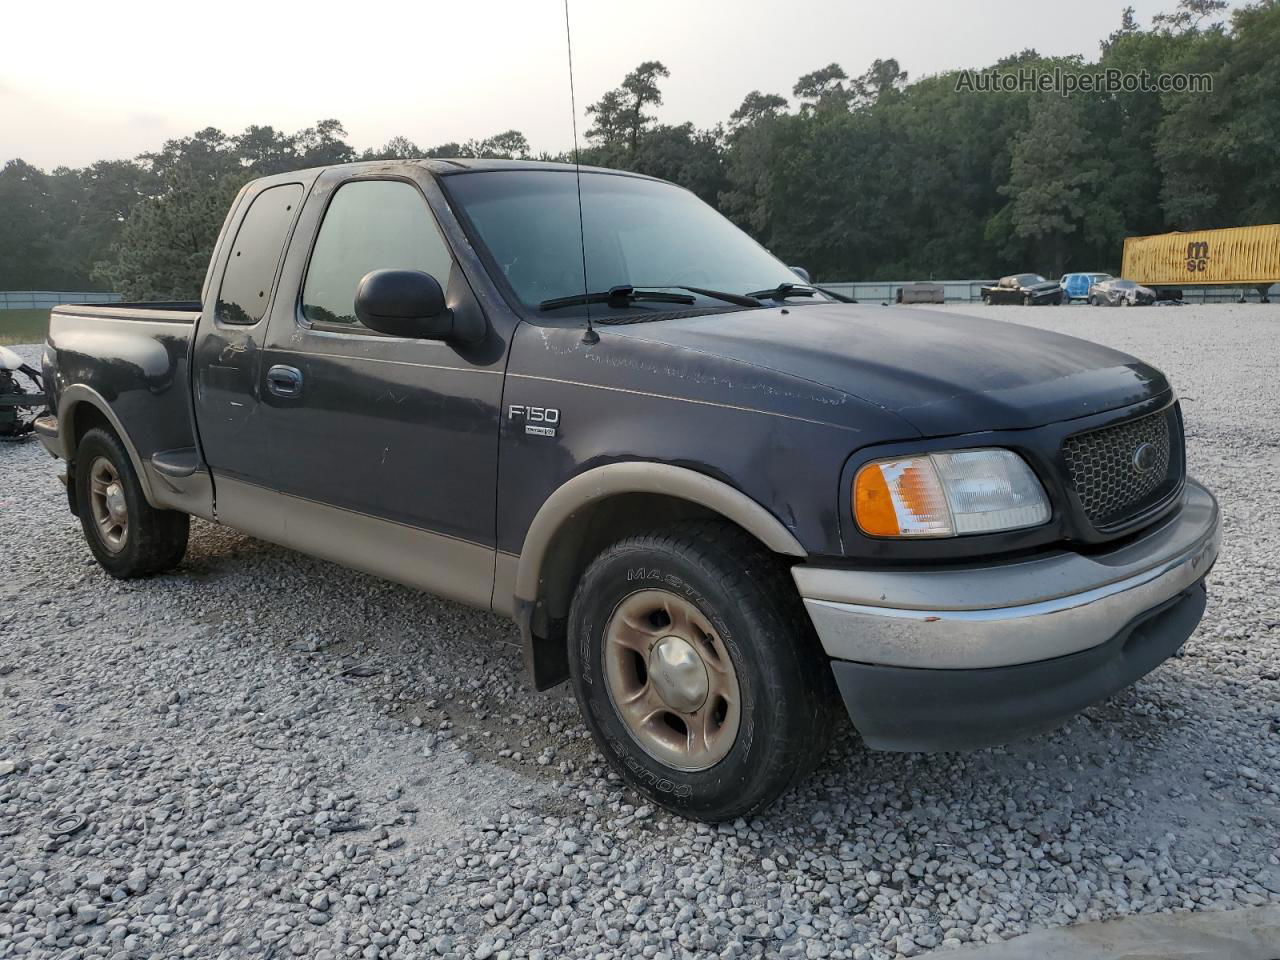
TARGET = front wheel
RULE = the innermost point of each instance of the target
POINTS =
(697, 671)
(128, 537)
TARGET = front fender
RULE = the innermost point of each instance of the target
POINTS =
(643, 477)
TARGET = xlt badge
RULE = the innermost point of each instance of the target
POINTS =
(539, 421)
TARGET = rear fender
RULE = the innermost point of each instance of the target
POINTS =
(69, 407)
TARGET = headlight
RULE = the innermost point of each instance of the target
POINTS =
(948, 494)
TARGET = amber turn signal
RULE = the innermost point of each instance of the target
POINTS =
(948, 494)
(901, 498)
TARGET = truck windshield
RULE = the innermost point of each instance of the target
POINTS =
(639, 233)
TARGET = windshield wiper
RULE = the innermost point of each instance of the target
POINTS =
(784, 290)
(736, 299)
(620, 297)
(839, 297)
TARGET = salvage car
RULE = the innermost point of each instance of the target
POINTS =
(716, 501)
(1121, 293)
(1028, 289)
(19, 402)
(1076, 286)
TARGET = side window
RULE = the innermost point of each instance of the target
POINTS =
(370, 225)
(259, 243)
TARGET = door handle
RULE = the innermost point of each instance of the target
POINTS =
(284, 381)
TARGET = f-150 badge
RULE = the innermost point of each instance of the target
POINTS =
(539, 421)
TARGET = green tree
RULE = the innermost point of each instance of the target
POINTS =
(1052, 184)
(883, 78)
(757, 107)
(621, 115)
(508, 145)
(824, 90)
(397, 148)
(1189, 14)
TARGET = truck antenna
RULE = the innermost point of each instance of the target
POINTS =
(590, 336)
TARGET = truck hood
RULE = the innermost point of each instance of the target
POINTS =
(944, 373)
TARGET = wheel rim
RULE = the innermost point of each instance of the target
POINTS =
(110, 510)
(671, 680)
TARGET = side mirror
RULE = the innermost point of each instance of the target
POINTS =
(404, 303)
(802, 273)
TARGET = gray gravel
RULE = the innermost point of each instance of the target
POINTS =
(271, 756)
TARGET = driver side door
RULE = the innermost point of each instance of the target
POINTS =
(383, 449)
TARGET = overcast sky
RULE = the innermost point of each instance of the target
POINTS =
(82, 81)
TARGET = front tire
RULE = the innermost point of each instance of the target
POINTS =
(697, 671)
(128, 537)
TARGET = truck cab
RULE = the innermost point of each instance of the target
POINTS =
(719, 502)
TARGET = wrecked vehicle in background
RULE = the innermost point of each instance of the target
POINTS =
(1076, 286)
(922, 292)
(19, 404)
(1028, 289)
(1120, 293)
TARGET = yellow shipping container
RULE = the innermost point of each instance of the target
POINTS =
(1240, 256)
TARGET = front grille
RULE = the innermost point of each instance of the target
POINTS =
(1104, 469)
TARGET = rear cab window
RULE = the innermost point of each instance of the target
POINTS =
(255, 255)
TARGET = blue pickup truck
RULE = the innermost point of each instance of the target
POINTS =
(719, 502)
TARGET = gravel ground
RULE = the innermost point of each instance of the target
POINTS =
(273, 756)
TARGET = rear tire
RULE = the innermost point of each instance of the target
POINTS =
(724, 735)
(129, 537)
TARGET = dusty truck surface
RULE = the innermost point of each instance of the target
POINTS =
(717, 501)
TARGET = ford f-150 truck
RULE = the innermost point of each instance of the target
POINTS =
(715, 499)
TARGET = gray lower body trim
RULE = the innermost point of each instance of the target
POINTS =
(187, 491)
(1014, 613)
(46, 429)
(457, 569)
(504, 584)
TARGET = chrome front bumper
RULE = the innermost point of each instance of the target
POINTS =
(1015, 613)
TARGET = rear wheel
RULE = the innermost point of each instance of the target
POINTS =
(697, 670)
(128, 536)
(1026, 299)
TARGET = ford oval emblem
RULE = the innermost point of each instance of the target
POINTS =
(1144, 458)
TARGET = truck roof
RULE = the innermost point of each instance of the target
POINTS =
(449, 166)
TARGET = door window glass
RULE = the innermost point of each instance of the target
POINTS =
(370, 225)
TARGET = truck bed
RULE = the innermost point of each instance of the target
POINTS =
(126, 363)
(170, 311)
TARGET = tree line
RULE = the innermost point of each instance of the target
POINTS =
(865, 177)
